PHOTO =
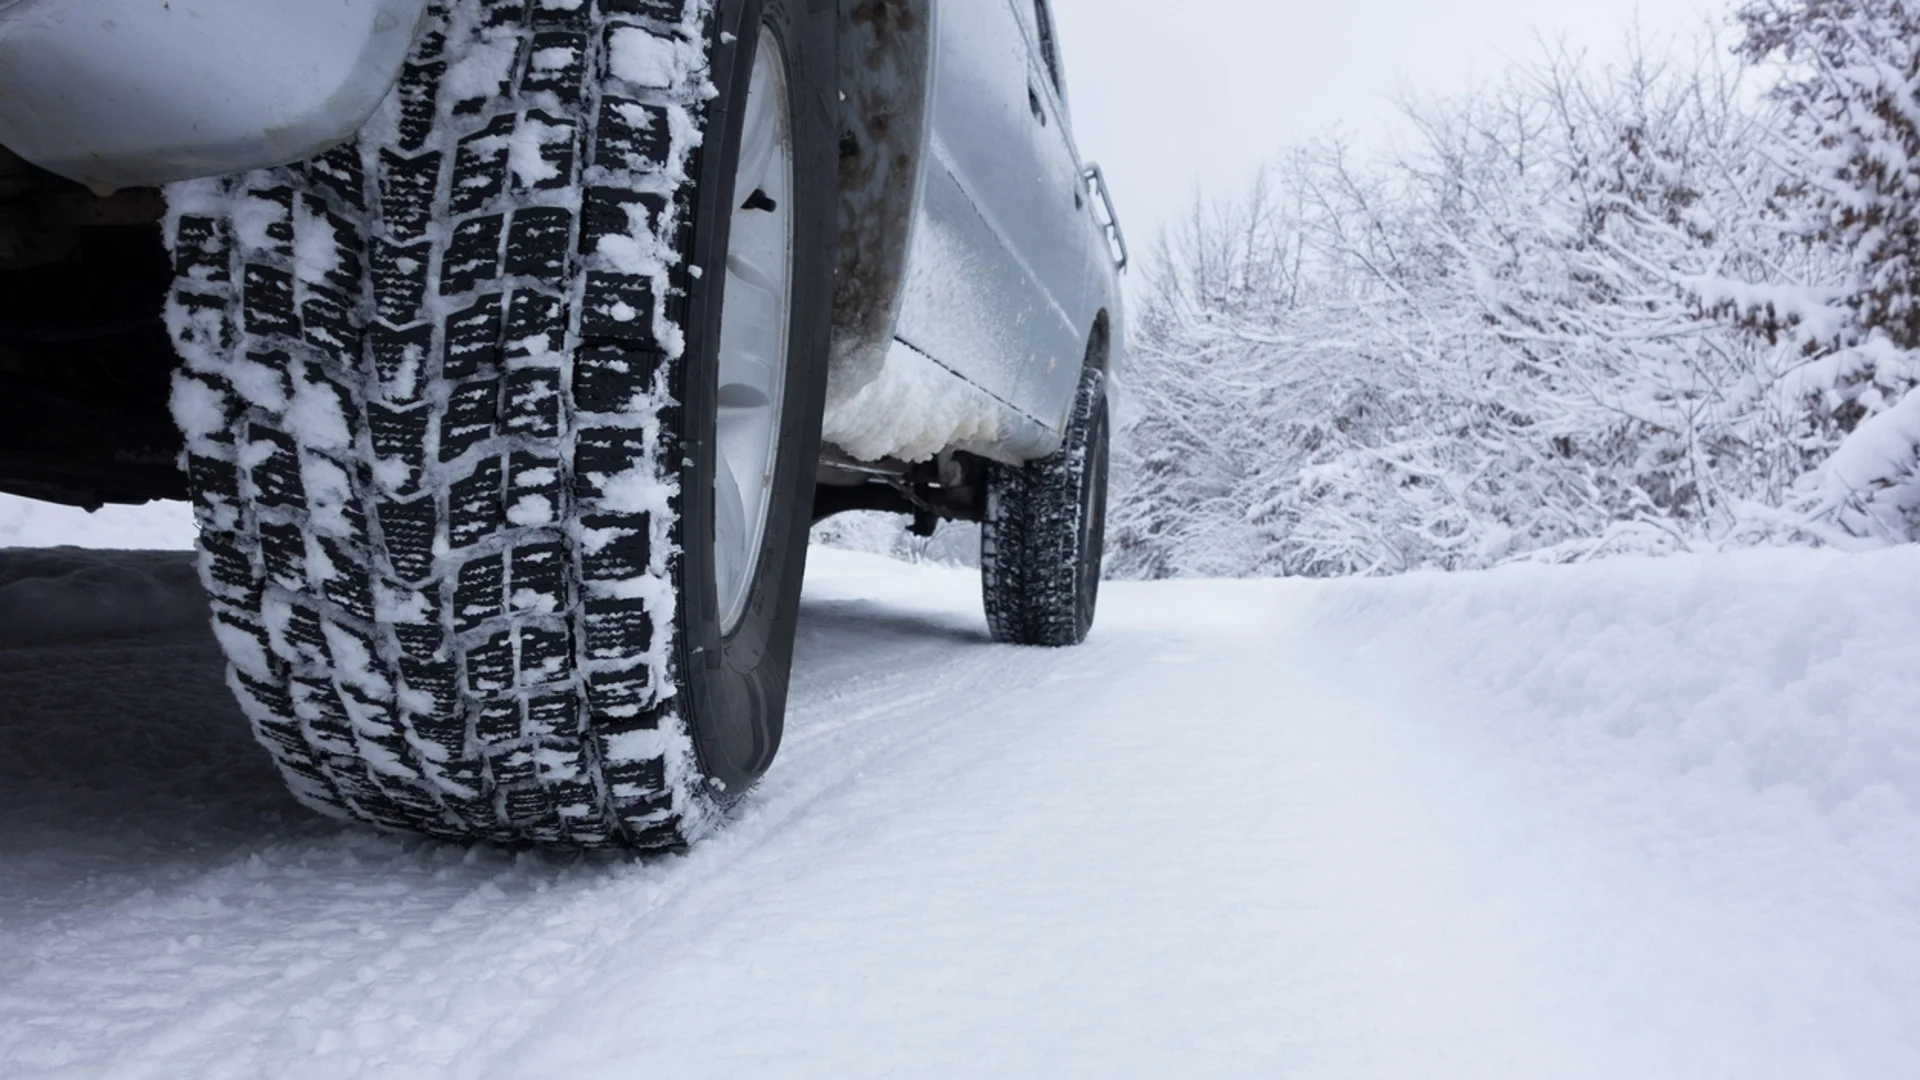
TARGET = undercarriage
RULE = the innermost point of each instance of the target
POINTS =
(85, 361)
(86, 366)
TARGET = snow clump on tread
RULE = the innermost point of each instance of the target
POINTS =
(428, 389)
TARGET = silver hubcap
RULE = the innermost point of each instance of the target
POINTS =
(756, 313)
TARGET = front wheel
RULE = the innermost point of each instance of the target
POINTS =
(502, 420)
(1045, 532)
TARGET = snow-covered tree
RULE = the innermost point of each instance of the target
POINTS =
(1851, 89)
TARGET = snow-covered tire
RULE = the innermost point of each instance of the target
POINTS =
(450, 396)
(1045, 531)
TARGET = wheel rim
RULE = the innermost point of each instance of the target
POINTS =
(755, 315)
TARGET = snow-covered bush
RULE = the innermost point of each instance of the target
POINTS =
(1642, 308)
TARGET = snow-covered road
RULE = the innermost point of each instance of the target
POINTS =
(1639, 819)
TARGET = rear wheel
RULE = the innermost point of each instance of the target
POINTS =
(502, 419)
(1045, 532)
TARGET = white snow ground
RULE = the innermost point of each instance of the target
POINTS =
(1636, 819)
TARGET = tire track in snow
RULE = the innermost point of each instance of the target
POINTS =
(424, 948)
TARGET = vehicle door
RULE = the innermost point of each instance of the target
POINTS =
(986, 294)
(1067, 248)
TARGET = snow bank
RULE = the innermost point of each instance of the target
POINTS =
(1706, 813)
(1776, 676)
(873, 532)
(68, 596)
(155, 526)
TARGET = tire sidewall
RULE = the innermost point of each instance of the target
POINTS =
(1091, 549)
(733, 686)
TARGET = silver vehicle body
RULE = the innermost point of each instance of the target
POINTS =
(968, 331)
(978, 267)
(134, 93)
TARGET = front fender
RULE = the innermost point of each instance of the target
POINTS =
(134, 93)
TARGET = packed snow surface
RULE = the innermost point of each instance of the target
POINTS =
(1634, 819)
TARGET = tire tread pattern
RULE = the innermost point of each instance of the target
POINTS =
(1031, 562)
(428, 388)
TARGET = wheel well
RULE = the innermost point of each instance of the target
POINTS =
(886, 50)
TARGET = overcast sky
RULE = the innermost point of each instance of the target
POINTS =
(1167, 94)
